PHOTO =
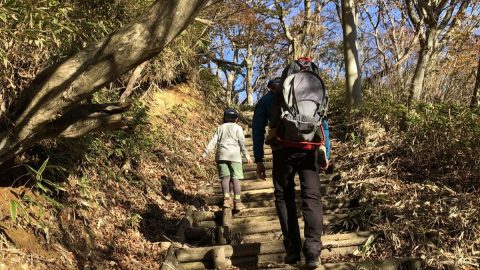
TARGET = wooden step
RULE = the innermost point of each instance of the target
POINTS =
(266, 158)
(239, 237)
(256, 231)
(270, 247)
(254, 202)
(267, 154)
(259, 195)
(268, 193)
(328, 218)
(249, 142)
(333, 204)
(261, 199)
(262, 237)
(256, 260)
(199, 216)
(248, 185)
(268, 211)
(253, 167)
(278, 257)
(266, 150)
(387, 264)
(266, 223)
(252, 175)
(255, 227)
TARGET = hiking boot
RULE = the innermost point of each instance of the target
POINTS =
(322, 157)
(312, 263)
(292, 248)
(238, 205)
(292, 258)
(227, 202)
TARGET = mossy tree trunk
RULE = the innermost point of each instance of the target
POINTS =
(52, 106)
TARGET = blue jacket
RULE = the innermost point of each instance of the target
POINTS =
(262, 116)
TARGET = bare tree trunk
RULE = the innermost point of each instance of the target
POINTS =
(352, 66)
(231, 77)
(230, 86)
(294, 50)
(296, 42)
(430, 18)
(419, 76)
(299, 50)
(422, 66)
(476, 88)
(48, 108)
(248, 79)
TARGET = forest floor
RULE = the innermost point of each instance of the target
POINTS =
(418, 214)
(122, 200)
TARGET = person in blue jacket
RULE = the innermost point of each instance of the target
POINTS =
(286, 163)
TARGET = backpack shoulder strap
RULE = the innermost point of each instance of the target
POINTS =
(275, 110)
(290, 69)
(315, 69)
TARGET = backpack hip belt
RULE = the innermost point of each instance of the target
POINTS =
(301, 145)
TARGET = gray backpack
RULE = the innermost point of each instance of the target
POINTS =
(304, 105)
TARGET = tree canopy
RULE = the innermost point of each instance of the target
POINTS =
(61, 53)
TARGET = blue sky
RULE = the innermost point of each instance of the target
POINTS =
(335, 36)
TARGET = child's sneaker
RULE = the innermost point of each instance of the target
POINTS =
(227, 202)
(238, 205)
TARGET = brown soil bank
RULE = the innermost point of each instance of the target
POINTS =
(124, 191)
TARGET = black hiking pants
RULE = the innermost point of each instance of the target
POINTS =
(286, 163)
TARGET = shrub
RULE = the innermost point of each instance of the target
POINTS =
(437, 140)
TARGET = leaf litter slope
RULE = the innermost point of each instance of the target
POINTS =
(421, 217)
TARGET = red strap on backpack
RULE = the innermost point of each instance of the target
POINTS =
(301, 145)
(304, 58)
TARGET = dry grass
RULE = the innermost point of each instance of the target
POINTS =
(418, 217)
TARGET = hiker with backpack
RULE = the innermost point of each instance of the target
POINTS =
(230, 141)
(295, 111)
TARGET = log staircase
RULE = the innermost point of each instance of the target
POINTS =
(252, 238)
